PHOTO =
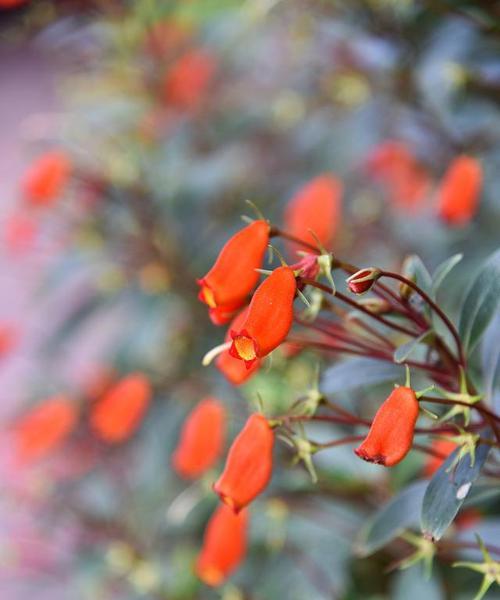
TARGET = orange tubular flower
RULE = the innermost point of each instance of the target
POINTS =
(233, 368)
(187, 82)
(119, 412)
(459, 192)
(249, 464)
(269, 317)
(201, 440)
(226, 286)
(391, 434)
(44, 428)
(46, 179)
(316, 206)
(224, 545)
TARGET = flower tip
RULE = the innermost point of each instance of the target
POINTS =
(210, 576)
(377, 459)
(206, 294)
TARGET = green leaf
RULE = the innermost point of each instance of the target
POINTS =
(491, 359)
(415, 269)
(402, 352)
(411, 584)
(442, 271)
(481, 302)
(447, 491)
(388, 522)
(358, 372)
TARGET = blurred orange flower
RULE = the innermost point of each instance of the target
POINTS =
(249, 464)
(44, 428)
(46, 178)
(187, 81)
(317, 206)
(201, 440)
(20, 231)
(393, 165)
(458, 194)
(117, 415)
(444, 447)
(224, 545)
(8, 338)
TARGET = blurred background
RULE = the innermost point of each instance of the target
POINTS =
(131, 135)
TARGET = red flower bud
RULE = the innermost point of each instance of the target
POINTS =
(201, 440)
(46, 179)
(119, 412)
(226, 286)
(224, 545)
(233, 368)
(391, 433)
(363, 280)
(458, 194)
(44, 428)
(269, 317)
(187, 82)
(316, 206)
(249, 464)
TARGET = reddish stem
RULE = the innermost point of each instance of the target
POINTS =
(347, 300)
(434, 307)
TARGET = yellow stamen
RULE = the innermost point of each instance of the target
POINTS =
(245, 347)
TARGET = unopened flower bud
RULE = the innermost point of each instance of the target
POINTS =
(308, 267)
(362, 281)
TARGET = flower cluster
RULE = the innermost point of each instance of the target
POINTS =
(263, 315)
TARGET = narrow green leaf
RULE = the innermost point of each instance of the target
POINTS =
(388, 522)
(447, 491)
(415, 269)
(491, 359)
(403, 352)
(358, 372)
(411, 584)
(481, 302)
(442, 271)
